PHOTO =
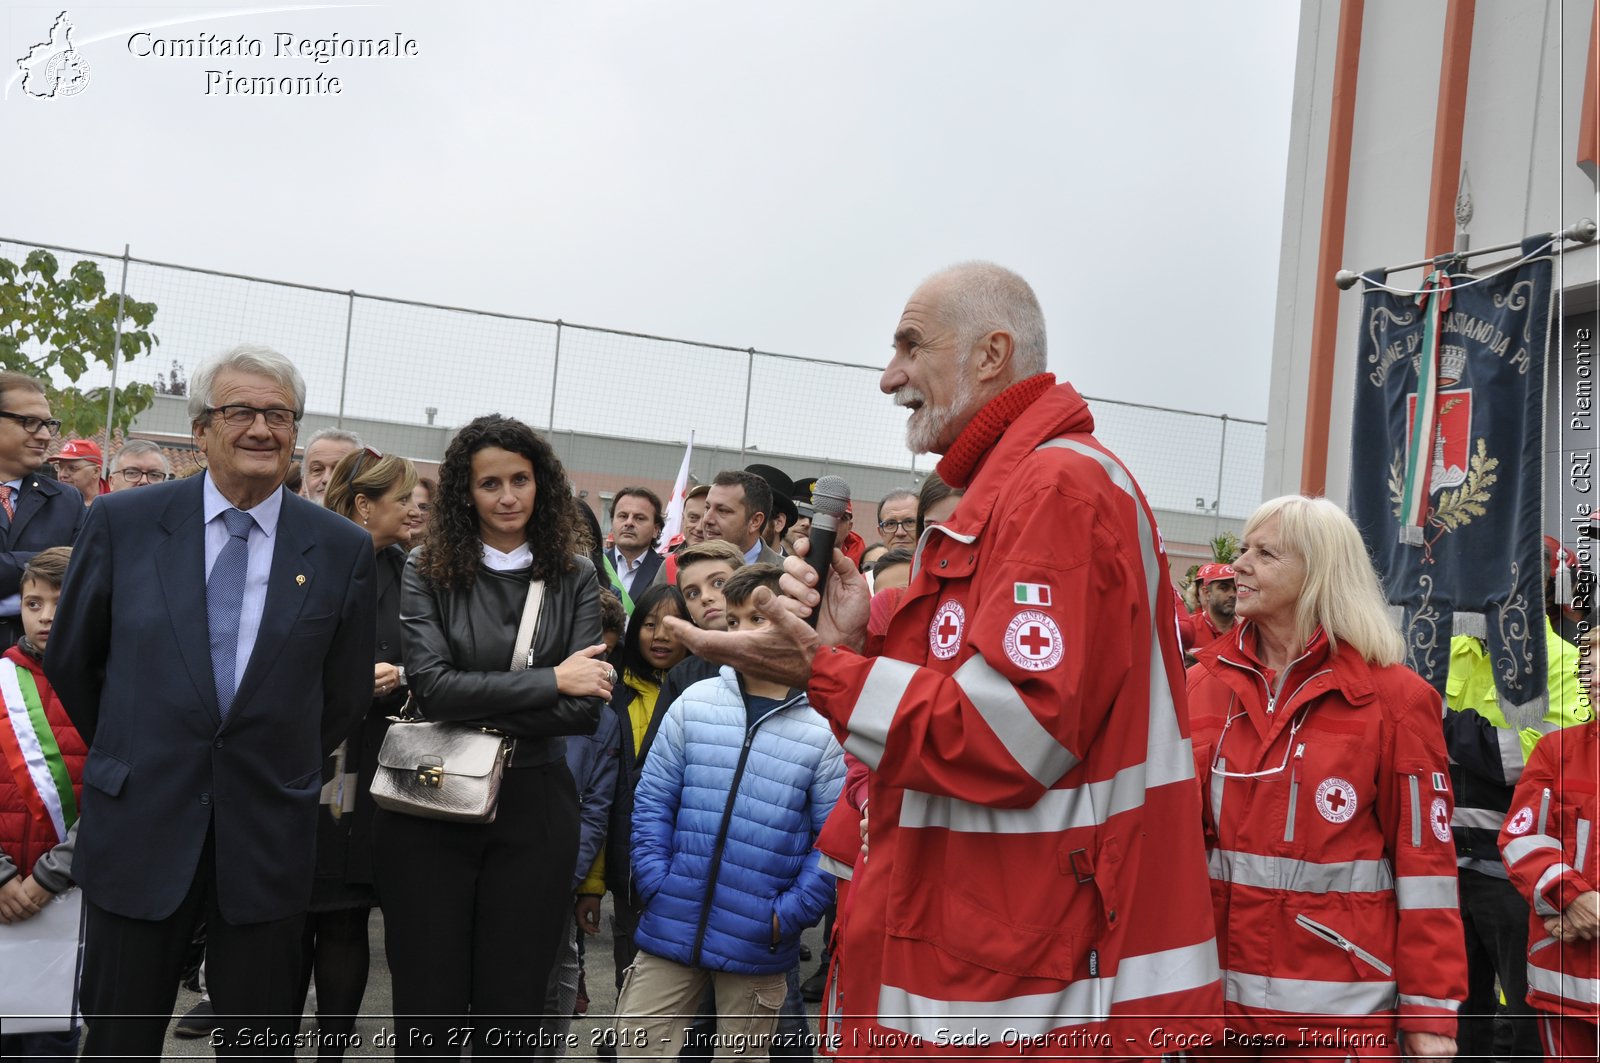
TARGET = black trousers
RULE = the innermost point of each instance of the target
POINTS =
(1495, 918)
(131, 969)
(473, 916)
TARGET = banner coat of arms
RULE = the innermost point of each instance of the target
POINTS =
(1455, 527)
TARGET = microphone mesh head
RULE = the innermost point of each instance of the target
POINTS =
(831, 496)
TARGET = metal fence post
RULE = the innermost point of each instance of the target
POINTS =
(1222, 458)
(749, 372)
(555, 373)
(116, 351)
(344, 376)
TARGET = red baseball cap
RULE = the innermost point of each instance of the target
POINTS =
(1213, 572)
(81, 450)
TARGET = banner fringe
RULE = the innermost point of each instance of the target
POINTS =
(1528, 714)
(1410, 535)
(1474, 624)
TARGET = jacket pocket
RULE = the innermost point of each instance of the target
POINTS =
(105, 772)
(1339, 941)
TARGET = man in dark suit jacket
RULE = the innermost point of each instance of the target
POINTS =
(213, 644)
(36, 511)
(636, 522)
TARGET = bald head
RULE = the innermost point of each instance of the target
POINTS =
(967, 333)
(977, 299)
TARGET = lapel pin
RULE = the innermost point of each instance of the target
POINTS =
(300, 581)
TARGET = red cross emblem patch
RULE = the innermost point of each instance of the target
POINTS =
(1439, 817)
(1336, 799)
(1521, 823)
(1033, 641)
(944, 634)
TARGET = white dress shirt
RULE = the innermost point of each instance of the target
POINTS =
(259, 570)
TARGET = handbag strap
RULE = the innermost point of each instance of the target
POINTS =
(522, 654)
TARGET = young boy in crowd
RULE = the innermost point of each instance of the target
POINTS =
(39, 804)
(739, 781)
(703, 570)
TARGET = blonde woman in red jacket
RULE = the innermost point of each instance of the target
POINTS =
(1549, 847)
(1328, 806)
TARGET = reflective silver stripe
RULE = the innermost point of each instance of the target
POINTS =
(1294, 800)
(1520, 847)
(875, 708)
(1008, 716)
(1581, 856)
(1416, 814)
(1309, 996)
(1169, 757)
(1413, 892)
(836, 868)
(1563, 985)
(1303, 876)
(1479, 818)
(1544, 810)
(1088, 805)
(1511, 762)
(1406, 999)
(1218, 782)
(1551, 873)
(1536, 946)
(1035, 1015)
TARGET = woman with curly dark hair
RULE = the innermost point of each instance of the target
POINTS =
(474, 913)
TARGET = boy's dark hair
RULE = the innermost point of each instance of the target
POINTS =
(898, 556)
(48, 567)
(710, 550)
(743, 583)
(613, 621)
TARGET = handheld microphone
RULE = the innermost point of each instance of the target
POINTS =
(830, 498)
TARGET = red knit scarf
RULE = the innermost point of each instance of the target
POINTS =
(984, 431)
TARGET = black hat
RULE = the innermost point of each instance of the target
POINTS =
(782, 491)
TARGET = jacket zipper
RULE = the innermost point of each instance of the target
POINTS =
(1272, 695)
(1294, 791)
(1333, 937)
(722, 830)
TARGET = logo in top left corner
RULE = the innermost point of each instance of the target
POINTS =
(54, 68)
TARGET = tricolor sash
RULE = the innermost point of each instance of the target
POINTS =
(30, 750)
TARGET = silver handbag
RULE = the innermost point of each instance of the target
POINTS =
(450, 771)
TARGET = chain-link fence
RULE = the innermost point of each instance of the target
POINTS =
(373, 359)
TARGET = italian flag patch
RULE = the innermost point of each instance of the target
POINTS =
(1033, 594)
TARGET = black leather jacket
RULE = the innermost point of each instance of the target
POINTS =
(458, 647)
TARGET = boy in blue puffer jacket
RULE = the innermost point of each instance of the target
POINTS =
(739, 781)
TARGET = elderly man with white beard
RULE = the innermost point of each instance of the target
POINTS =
(1037, 873)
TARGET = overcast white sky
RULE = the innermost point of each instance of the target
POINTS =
(776, 176)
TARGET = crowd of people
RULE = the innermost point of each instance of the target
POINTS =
(1043, 805)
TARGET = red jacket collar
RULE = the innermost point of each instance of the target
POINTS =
(1010, 427)
(1351, 674)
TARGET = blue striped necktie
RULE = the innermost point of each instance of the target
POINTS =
(224, 603)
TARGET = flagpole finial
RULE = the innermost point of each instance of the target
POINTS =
(1463, 211)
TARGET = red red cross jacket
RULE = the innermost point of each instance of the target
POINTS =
(1332, 867)
(1549, 847)
(1035, 878)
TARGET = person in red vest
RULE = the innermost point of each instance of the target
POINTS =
(41, 779)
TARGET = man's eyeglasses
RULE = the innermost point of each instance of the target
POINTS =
(898, 525)
(134, 476)
(31, 425)
(238, 416)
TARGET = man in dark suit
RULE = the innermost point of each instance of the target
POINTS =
(636, 521)
(36, 511)
(213, 644)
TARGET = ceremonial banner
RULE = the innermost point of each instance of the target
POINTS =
(1451, 510)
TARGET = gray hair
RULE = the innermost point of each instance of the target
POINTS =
(338, 435)
(981, 298)
(245, 358)
(134, 447)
